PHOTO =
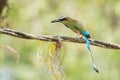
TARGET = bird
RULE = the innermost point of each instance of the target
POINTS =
(77, 27)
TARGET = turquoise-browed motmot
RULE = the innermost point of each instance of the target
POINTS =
(78, 28)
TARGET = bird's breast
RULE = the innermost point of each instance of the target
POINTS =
(78, 32)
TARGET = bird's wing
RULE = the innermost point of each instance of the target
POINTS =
(79, 26)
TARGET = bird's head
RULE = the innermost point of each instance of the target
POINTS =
(63, 19)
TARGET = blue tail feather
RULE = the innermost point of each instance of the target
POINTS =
(87, 43)
(88, 46)
(87, 35)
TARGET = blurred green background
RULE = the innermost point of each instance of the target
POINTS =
(102, 19)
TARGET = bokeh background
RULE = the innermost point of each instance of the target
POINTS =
(101, 18)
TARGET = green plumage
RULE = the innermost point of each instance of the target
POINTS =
(74, 25)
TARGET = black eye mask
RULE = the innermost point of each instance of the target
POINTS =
(63, 19)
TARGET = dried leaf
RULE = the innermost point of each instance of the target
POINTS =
(55, 58)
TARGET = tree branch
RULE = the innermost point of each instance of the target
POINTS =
(24, 35)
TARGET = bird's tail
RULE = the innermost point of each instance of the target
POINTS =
(88, 46)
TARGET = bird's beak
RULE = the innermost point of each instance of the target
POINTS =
(56, 20)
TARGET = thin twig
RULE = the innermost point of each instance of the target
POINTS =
(13, 51)
(24, 35)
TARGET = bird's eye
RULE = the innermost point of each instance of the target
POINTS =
(63, 19)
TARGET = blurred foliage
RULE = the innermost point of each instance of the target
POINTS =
(34, 16)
